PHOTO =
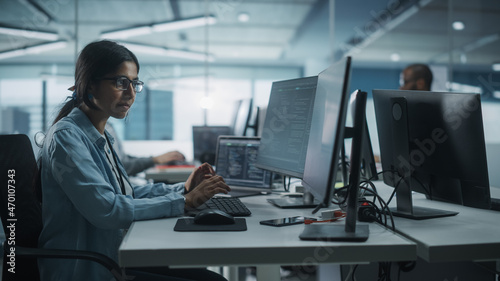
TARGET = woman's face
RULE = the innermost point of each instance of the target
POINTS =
(112, 101)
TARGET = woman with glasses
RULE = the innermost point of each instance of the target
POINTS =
(88, 201)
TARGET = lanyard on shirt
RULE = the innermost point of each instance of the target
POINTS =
(120, 178)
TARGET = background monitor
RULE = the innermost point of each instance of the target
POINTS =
(435, 141)
(205, 142)
(368, 167)
(235, 162)
(326, 136)
(285, 133)
(243, 117)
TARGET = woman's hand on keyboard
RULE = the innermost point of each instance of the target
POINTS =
(205, 190)
(198, 175)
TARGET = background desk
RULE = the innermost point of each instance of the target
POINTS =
(155, 243)
(472, 235)
(462, 247)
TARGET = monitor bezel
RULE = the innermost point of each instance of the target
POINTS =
(327, 190)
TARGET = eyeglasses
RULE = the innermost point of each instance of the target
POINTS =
(122, 83)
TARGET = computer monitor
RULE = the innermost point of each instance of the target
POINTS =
(285, 133)
(243, 117)
(368, 166)
(433, 143)
(326, 137)
(205, 142)
(235, 162)
(325, 145)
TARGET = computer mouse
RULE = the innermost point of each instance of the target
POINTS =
(213, 217)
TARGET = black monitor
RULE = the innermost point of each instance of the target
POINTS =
(243, 117)
(205, 142)
(433, 143)
(285, 133)
(325, 144)
(368, 166)
(326, 137)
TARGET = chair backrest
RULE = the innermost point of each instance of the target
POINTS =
(19, 208)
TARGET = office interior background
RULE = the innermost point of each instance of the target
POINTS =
(199, 57)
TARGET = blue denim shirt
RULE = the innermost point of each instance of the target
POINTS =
(83, 206)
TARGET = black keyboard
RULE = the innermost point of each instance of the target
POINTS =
(230, 205)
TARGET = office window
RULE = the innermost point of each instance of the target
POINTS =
(151, 116)
(21, 106)
(161, 124)
(57, 94)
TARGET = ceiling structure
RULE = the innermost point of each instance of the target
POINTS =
(276, 32)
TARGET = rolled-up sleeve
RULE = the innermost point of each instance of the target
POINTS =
(85, 184)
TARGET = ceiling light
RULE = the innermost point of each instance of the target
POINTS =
(33, 49)
(395, 57)
(160, 51)
(243, 17)
(159, 27)
(184, 23)
(126, 33)
(46, 47)
(496, 66)
(13, 53)
(29, 33)
(458, 25)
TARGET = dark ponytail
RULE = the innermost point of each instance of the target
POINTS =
(95, 61)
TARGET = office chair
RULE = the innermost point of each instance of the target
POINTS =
(21, 208)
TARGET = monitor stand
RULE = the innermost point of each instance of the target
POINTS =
(401, 142)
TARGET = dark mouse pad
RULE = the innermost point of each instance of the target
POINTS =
(187, 224)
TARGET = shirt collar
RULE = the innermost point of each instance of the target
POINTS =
(81, 119)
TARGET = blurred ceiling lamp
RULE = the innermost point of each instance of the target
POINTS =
(33, 49)
(243, 17)
(395, 57)
(160, 27)
(458, 25)
(50, 36)
(496, 66)
(161, 51)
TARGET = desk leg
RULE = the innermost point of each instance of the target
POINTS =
(268, 272)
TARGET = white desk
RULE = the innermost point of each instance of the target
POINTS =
(472, 235)
(155, 243)
(169, 175)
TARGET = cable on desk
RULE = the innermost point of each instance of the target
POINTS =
(384, 214)
(428, 191)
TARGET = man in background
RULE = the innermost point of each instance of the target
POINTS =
(416, 77)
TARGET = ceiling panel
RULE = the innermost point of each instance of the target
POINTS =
(279, 31)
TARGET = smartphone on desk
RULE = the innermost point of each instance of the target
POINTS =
(286, 221)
